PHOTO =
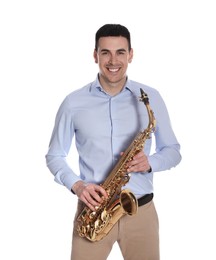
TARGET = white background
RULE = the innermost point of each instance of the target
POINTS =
(45, 53)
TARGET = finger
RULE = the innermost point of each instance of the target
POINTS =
(139, 155)
(88, 204)
(102, 191)
(134, 162)
(97, 193)
(92, 201)
(140, 167)
(139, 158)
(92, 195)
(97, 199)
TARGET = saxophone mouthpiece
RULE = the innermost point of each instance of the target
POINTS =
(144, 97)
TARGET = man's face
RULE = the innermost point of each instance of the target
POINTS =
(113, 57)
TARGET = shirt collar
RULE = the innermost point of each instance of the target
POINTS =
(97, 86)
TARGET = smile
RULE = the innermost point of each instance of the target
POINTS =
(113, 70)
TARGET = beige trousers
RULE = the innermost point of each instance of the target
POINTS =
(137, 236)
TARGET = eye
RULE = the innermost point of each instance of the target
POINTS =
(121, 52)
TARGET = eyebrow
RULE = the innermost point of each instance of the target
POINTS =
(122, 49)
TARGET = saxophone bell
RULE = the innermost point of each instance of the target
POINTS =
(128, 202)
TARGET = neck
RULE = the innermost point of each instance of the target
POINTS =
(112, 88)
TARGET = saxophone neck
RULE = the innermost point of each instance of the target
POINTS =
(152, 122)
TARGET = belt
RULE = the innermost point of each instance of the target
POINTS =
(145, 199)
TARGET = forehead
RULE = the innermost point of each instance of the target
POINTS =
(113, 43)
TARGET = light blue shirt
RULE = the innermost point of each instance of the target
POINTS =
(103, 127)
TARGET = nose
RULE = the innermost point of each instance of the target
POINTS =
(112, 59)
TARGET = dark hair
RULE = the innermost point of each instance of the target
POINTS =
(112, 30)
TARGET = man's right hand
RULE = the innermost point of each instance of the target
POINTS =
(91, 194)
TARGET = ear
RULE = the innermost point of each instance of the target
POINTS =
(130, 55)
(95, 56)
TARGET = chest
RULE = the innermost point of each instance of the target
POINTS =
(114, 116)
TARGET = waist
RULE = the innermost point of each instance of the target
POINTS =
(145, 199)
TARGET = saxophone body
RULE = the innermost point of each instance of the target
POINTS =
(95, 225)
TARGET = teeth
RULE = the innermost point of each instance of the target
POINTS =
(113, 70)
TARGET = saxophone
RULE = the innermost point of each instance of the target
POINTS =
(95, 225)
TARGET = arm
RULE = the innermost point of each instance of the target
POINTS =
(167, 153)
(59, 147)
(60, 143)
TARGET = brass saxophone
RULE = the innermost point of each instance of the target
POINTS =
(95, 225)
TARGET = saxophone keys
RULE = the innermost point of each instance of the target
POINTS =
(104, 216)
(97, 224)
(91, 216)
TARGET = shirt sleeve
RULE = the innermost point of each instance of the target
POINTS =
(59, 146)
(167, 152)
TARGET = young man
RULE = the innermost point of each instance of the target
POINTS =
(105, 116)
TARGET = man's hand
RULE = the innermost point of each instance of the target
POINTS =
(139, 163)
(91, 194)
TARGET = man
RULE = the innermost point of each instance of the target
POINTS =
(105, 116)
